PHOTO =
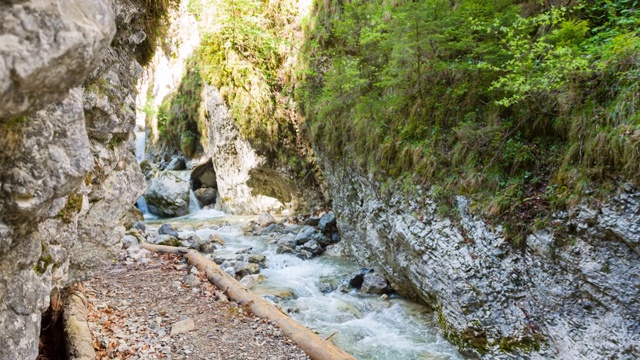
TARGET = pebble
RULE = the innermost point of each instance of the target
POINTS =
(182, 326)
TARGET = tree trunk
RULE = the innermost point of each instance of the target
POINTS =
(76, 329)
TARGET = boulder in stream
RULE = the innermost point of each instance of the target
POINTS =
(327, 223)
(265, 220)
(206, 195)
(168, 195)
(215, 238)
(190, 239)
(375, 283)
(207, 248)
(243, 269)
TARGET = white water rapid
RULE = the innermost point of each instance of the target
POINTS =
(364, 325)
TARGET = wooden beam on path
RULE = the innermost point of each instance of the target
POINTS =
(76, 329)
(312, 344)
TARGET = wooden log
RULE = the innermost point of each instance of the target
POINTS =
(312, 344)
(76, 329)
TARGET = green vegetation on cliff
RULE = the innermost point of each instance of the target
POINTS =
(155, 22)
(180, 117)
(521, 105)
(250, 55)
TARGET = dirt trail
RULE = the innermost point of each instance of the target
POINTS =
(135, 305)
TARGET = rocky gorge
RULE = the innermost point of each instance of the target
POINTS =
(77, 79)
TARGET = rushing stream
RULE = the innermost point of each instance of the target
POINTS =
(364, 325)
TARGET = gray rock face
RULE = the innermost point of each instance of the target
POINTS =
(572, 295)
(168, 195)
(49, 156)
(47, 48)
(67, 172)
(233, 159)
(204, 176)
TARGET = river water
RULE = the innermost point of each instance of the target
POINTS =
(364, 325)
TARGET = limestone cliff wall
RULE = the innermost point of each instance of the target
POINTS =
(572, 294)
(67, 168)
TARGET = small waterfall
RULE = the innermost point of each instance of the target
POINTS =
(194, 206)
(140, 142)
(141, 203)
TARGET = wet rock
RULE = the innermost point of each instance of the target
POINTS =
(313, 247)
(304, 253)
(167, 229)
(327, 222)
(207, 248)
(308, 233)
(265, 220)
(243, 269)
(289, 239)
(356, 280)
(248, 250)
(206, 195)
(250, 227)
(285, 249)
(305, 234)
(374, 283)
(261, 260)
(215, 238)
(273, 228)
(176, 163)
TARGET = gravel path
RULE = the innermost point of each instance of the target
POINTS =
(151, 306)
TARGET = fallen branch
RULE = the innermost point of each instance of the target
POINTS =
(76, 329)
(313, 345)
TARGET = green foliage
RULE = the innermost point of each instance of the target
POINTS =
(499, 100)
(195, 8)
(180, 120)
(250, 55)
(71, 209)
(243, 57)
(155, 23)
(542, 65)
